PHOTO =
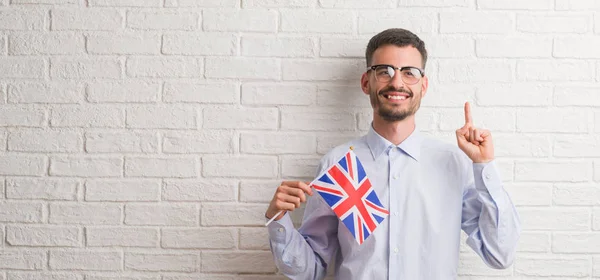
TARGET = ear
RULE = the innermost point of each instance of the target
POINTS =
(424, 86)
(364, 83)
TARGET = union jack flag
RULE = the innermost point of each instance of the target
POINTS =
(347, 190)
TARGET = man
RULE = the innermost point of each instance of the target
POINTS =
(432, 189)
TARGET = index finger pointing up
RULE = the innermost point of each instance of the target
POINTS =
(468, 117)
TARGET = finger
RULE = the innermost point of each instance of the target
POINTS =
(297, 193)
(468, 117)
(478, 137)
(471, 135)
(282, 205)
(298, 184)
(461, 137)
(283, 197)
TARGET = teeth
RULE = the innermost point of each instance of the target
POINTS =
(396, 97)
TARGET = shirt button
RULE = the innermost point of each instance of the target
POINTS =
(395, 177)
(395, 213)
(487, 176)
(280, 230)
(396, 250)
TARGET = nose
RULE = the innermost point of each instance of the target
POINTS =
(397, 81)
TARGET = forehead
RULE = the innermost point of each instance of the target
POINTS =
(397, 56)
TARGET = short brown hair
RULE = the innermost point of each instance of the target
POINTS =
(397, 37)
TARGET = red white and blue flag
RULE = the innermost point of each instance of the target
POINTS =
(348, 191)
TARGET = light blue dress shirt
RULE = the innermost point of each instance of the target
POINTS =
(432, 190)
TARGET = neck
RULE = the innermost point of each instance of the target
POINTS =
(395, 132)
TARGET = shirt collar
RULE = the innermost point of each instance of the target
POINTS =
(411, 145)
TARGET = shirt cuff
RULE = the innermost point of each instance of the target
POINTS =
(487, 178)
(278, 230)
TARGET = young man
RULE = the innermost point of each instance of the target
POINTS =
(431, 189)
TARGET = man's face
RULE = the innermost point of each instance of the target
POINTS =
(395, 100)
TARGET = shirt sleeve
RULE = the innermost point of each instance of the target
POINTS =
(305, 253)
(489, 217)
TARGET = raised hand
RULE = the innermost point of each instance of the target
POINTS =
(476, 143)
(287, 197)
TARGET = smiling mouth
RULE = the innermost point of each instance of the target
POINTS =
(395, 96)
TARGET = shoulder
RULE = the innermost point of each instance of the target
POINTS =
(439, 150)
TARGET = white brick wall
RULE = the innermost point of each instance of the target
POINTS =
(143, 139)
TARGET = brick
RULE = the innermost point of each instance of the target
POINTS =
(22, 68)
(86, 260)
(240, 166)
(555, 70)
(539, 194)
(20, 212)
(553, 171)
(576, 195)
(51, 43)
(220, 93)
(342, 96)
(471, 265)
(122, 190)
(343, 47)
(22, 116)
(171, 20)
(51, 141)
(121, 142)
(516, 5)
(240, 118)
(475, 71)
(233, 215)
(521, 145)
(202, 3)
(555, 219)
(86, 166)
(171, 167)
(357, 4)
(199, 190)
(168, 117)
(577, 5)
(576, 146)
(553, 23)
(86, 19)
(278, 94)
(317, 119)
(327, 142)
(278, 46)
(577, 47)
(42, 236)
(158, 67)
(42, 188)
(534, 242)
(15, 19)
(324, 70)
(554, 266)
(503, 47)
(22, 165)
(52, 92)
(22, 259)
(130, 276)
(205, 142)
(299, 167)
(247, 262)
(85, 213)
(162, 214)
(86, 68)
(254, 239)
(258, 191)
(538, 95)
(255, 20)
(595, 219)
(122, 92)
(476, 22)
(278, 3)
(575, 95)
(43, 275)
(555, 120)
(124, 44)
(434, 3)
(125, 3)
(496, 120)
(243, 68)
(3, 46)
(200, 44)
(449, 46)
(121, 237)
(200, 238)
(45, 2)
(161, 262)
(377, 21)
(442, 96)
(277, 143)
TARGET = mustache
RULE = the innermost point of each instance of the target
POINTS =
(392, 89)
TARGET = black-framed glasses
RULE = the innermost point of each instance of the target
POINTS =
(384, 73)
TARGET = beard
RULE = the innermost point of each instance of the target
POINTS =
(394, 112)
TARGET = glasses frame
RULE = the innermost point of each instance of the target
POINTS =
(421, 71)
